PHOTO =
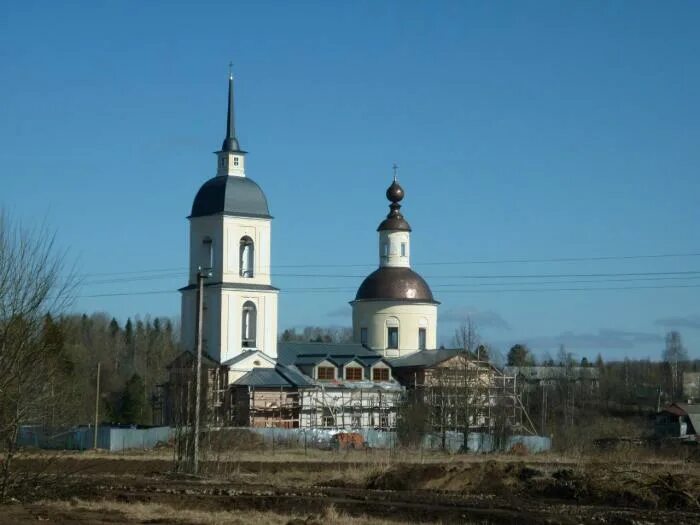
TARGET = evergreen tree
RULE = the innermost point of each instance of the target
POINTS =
(519, 355)
(113, 328)
(129, 332)
(129, 407)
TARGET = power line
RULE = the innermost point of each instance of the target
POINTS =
(433, 263)
(466, 290)
(493, 276)
(635, 276)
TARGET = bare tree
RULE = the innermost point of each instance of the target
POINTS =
(33, 286)
(467, 336)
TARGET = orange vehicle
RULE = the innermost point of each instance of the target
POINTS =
(348, 440)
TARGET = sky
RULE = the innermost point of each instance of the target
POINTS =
(548, 150)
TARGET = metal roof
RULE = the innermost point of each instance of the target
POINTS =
(425, 358)
(311, 353)
(689, 408)
(395, 284)
(230, 195)
(280, 376)
(230, 141)
(240, 357)
(263, 377)
(235, 286)
(394, 221)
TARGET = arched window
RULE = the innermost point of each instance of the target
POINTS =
(249, 321)
(247, 257)
(207, 259)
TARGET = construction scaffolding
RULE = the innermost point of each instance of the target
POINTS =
(469, 395)
(361, 404)
(265, 407)
(322, 406)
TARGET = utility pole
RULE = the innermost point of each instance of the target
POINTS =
(97, 407)
(201, 275)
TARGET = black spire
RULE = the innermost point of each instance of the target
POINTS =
(230, 142)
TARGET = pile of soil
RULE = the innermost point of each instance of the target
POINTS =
(594, 485)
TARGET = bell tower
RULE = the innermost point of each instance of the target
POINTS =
(230, 238)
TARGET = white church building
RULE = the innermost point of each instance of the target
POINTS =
(258, 381)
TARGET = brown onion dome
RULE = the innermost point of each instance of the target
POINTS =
(395, 220)
(395, 193)
(395, 284)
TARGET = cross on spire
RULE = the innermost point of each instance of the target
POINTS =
(230, 70)
(396, 170)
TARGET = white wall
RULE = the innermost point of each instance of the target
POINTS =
(222, 317)
(391, 241)
(375, 315)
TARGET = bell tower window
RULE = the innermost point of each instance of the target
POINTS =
(249, 320)
(207, 253)
(247, 257)
(235, 161)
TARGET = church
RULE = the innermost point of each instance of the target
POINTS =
(254, 380)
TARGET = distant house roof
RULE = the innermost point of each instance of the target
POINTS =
(685, 409)
(689, 408)
(425, 358)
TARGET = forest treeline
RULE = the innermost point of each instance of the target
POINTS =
(133, 358)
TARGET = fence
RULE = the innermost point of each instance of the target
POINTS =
(109, 438)
(116, 439)
(454, 441)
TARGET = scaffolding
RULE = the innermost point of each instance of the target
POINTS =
(333, 406)
(470, 395)
(361, 404)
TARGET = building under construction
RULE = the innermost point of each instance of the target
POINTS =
(462, 393)
(333, 386)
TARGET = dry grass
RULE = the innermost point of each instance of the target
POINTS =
(157, 513)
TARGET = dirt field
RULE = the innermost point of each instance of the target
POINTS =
(326, 487)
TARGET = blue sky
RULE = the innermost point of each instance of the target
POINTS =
(523, 130)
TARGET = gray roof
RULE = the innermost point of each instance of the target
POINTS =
(234, 286)
(280, 376)
(240, 357)
(230, 195)
(312, 353)
(425, 358)
(395, 284)
(689, 408)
